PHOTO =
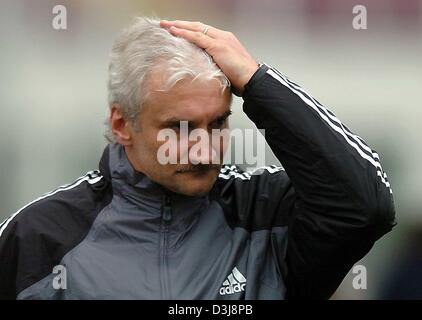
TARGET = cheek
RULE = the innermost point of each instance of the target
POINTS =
(146, 146)
(167, 148)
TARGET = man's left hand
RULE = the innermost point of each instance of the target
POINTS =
(223, 46)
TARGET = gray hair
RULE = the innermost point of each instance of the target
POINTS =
(143, 47)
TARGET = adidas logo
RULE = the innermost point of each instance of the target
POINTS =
(234, 283)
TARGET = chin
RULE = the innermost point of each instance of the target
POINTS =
(195, 186)
(194, 191)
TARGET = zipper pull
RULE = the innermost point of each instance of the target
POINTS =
(166, 210)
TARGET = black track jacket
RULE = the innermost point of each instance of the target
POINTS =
(281, 232)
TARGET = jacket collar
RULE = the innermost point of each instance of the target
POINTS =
(136, 190)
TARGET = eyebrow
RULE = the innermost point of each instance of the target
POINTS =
(176, 121)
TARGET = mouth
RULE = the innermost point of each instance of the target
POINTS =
(195, 172)
(198, 173)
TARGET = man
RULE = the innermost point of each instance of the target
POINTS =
(140, 229)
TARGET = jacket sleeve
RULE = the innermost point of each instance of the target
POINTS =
(8, 260)
(341, 201)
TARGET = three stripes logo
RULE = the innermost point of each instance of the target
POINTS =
(234, 283)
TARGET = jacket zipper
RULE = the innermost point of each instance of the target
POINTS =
(166, 216)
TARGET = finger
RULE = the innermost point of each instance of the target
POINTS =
(192, 26)
(188, 25)
(201, 40)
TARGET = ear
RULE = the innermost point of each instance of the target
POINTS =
(120, 126)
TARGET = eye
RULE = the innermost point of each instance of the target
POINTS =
(177, 125)
(218, 123)
(174, 126)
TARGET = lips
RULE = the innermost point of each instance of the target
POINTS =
(198, 169)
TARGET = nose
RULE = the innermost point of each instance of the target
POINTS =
(203, 150)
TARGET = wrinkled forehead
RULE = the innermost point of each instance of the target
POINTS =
(160, 83)
(162, 76)
(188, 98)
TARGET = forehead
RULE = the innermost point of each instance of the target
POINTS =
(187, 99)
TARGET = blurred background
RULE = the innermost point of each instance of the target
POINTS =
(54, 100)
